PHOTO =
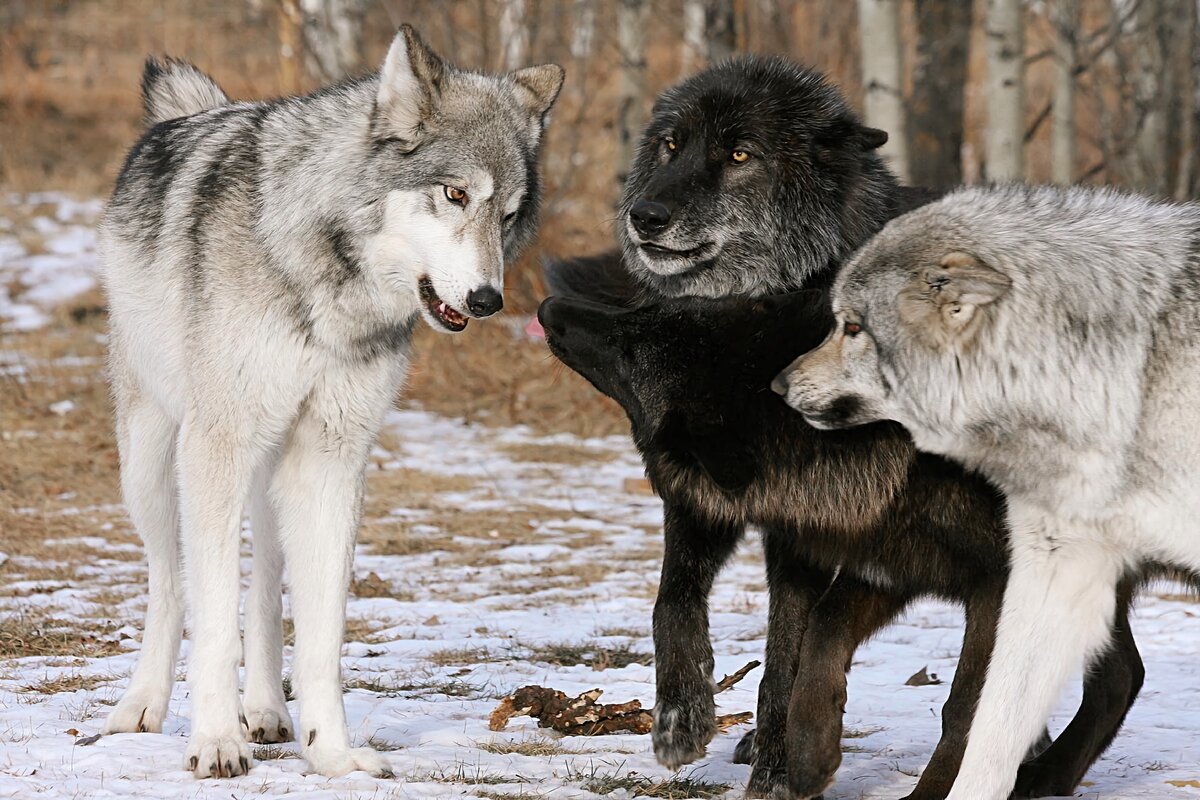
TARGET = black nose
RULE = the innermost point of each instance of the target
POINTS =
(484, 302)
(780, 384)
(649, 217)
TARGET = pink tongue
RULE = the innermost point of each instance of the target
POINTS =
(534, 330)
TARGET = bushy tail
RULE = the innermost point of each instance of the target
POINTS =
(602, 278)
(172, 88)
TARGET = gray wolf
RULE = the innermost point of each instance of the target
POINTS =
(265, 265)
(1050, 340)
(892, 524)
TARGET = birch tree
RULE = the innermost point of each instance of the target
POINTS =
(882, 76)
(332, 31)
(632, 16)
(514, 34)
(1066, 61)
(1004, 137)
(935, 114)
(694, 48)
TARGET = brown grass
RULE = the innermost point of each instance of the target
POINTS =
(30, 632)
(66, 683)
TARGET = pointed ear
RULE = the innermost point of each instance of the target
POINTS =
(538, 87)
(726, 460)
(410, 83)
(959, 285)
(872, 138)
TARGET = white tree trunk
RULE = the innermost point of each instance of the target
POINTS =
(882, 77)
(1005, 134)
(514, 34)
(632, 16)
(694, 49)
(1066, 59)
(585, 30)
(332, 33)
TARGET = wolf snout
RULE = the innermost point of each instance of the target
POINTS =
(780, 384)
(649, 217)
(484, 301)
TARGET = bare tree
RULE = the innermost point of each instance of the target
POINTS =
(1066, 61)
(694, 48)
(721, 23)
(514, 34)
(631, 47)
(584, 31)
(1146, 160)
(332, 31)
(1188, 30)
(882, 76)
(935, 116)
(1004, 137)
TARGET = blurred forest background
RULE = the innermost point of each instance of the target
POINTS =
(1097, 91)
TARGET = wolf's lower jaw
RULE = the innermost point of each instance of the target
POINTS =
(449, 317)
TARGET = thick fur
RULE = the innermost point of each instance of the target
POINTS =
(893, 524)
(265, 265)
(810, 192)
(1049, 339)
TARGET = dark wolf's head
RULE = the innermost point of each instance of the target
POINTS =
(751, 176)
(687, 372)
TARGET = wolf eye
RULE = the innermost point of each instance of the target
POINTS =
(509, 217)
(670, 143)
(851, 329)
(739, 156)
(456, 195)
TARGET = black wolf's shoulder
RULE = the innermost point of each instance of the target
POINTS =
(909, 198)
(601, 277)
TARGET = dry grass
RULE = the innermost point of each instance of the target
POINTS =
(29, 632)
(539, 748)
(66, 683)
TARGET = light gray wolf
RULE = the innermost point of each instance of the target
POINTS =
(857, 524)
(265, 265)
(1049, 339)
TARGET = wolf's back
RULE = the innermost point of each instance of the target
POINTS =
(172, 88)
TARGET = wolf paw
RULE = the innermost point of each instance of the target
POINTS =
(769, 784)
(744, 752)
(269, 725)
(681, 732)
(1044, 780)
(217, 756)
(332, 763)
(138, 712)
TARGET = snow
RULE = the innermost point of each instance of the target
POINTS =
(565, 556)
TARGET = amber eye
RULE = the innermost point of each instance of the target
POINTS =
(456, 195)
(671, 144)
(851, 329)
(739, 156)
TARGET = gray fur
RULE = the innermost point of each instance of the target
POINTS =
(173, 88)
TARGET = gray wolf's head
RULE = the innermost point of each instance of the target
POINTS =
(909, 310)
(453, 167)
(751, 176)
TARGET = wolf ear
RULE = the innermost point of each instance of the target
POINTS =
(538, 87)
(727, 461)
(959, 285)
(872, 138)
(409, 85)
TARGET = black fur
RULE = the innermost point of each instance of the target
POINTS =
(724, 452)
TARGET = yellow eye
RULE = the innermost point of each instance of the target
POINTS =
(671, 144)
(739, 156)
(456, 195)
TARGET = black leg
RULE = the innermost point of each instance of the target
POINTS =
(845, 616)
(1110, 686)
(983, 613)
(684, 716)
(795, 587)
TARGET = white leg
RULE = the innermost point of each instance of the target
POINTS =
(215, 470)
(1058, 610)
(147, 442)
(317, 492)
(267, 718)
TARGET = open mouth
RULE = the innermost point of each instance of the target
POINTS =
(451, 318)
(658, 251)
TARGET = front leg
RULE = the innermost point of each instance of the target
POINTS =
(1058, 610)
(794, 586)
(843, 618)
(684, 709)
(317, 495)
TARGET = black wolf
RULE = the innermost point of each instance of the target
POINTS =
(725, 452)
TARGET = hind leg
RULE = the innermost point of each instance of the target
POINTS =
(1109, 689)
(146, 437)
(267, 717)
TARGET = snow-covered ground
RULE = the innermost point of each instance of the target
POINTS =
(491, 559)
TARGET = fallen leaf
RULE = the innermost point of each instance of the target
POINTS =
(1192, 784)
(923, 678)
